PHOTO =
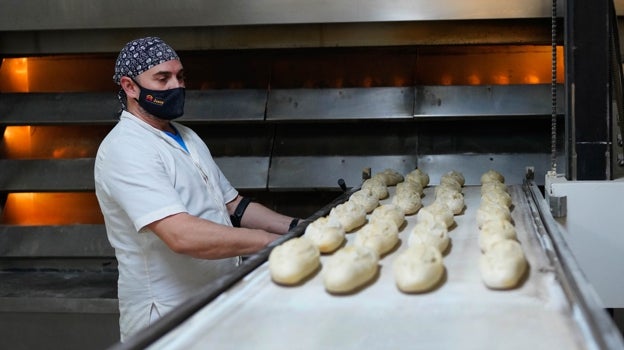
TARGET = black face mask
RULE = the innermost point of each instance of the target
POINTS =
(163, 104)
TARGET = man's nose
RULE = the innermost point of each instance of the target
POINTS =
(176, 83)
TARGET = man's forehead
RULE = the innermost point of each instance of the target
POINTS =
(172, 67)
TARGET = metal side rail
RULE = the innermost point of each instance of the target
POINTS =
(617, 75)
(586, 306)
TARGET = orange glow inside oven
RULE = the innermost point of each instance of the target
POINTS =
(15, 74)
(494, 65)
(56, 74)
(51, 142)
(51, 209)
(431, 65)
(306, 68)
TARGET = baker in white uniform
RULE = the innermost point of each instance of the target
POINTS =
(174, 220)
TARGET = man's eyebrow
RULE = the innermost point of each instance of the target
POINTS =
(163, 73)
(166, 73)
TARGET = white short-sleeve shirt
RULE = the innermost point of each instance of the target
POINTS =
(143, 175)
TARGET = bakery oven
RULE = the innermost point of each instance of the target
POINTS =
(282, 120)
(298, 103)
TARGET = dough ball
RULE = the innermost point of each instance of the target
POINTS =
(431, 233)
(493, 186)
(365, 198)
(451, 182)
(349, 268)
(381, 178)
(503, 265)
(443, 189)
(391, 176)
(459, 177)
(498, 197)
(436, 212)
(380, 235)
(418, 175)
(389, 212)
(418, 268)
(349, 214)
(409, 202)
(293, 260)
(326, 233)
(377, 186)
(491, 211)
(453, 200)
(410, 186)
(492, 176)
(414, 179)
(493, 231)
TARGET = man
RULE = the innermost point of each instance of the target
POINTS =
(174, 220)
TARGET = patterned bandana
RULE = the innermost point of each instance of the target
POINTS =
(138, 56)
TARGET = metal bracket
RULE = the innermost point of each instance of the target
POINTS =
(558, 204)
(366, 173)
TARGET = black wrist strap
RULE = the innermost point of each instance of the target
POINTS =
(293, 224)
(239, 211)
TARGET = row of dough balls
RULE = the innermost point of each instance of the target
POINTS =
(351, 266)
(347, 269)
(502, 262)
(434, 221)
(408, 194)
(328, 232)
(354, 265)
(420, 267)
(417, 269)
(449, 191)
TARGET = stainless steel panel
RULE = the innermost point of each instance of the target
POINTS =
(99, 14)
(59, 330)
(587, 308)
(77, 174)
(224, 105)
(594, 233)
(73, 241)
(46, 304)
(292, 104)
(494, 100)
(280, 36)
(80, 108)
(324, 172)
(58, 108)
(47, 175)
(245, 172)
(352, 103)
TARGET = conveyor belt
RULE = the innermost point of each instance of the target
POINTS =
(460, 313)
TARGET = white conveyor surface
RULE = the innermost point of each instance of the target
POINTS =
(461, 313)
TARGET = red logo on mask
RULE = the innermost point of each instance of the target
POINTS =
(149, 98)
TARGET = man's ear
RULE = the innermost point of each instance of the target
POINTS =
(129, 87)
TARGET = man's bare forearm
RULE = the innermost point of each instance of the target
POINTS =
(260, 217)
(190, 235)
